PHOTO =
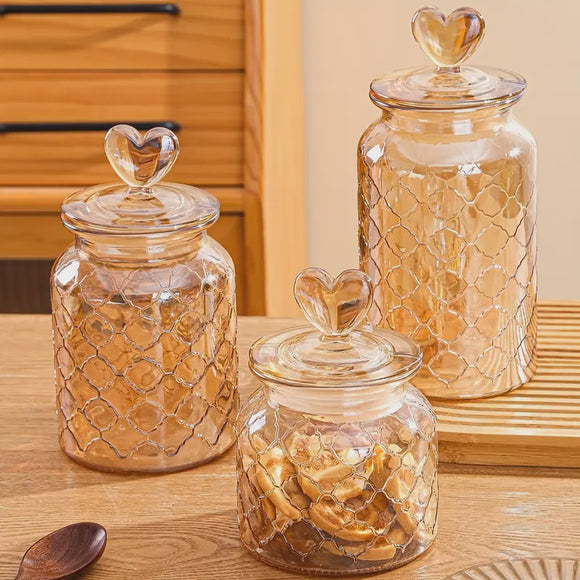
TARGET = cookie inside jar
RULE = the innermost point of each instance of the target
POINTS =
(337, 469)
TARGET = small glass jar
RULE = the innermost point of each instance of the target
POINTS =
(144, 318)
(447, 214)
(336, 452)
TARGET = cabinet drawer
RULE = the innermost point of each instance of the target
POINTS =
(206, 34)
(208, 107)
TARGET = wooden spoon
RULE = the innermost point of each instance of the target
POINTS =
(63, 553)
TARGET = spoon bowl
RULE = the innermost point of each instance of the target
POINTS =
(64, 553)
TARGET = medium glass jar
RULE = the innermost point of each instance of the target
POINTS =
(144, 318)
(447, 214)
(336, 451)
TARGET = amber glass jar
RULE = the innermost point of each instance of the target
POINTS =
(144, 318)
(447, 214)
(336, 452)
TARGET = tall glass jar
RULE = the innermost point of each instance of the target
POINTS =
(336, 451)
(447, 214)
(144, 318)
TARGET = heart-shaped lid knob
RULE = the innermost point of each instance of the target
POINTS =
(336, 306)
(141, 160)
(340, 350)
(448, 39)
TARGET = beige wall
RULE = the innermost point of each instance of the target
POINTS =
(348, 42)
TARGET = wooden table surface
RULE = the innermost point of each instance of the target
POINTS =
(183, 526)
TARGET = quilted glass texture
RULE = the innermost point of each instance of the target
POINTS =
(447, 231)
(145, 358)
(325, 495)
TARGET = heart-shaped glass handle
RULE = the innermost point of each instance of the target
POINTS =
(448, 39)
(334, 306)
(141, 160)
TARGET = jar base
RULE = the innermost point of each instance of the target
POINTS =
(475, 396)
(146, 470)
(325, 572)
(436, 390)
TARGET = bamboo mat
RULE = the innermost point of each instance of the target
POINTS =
(537, 424)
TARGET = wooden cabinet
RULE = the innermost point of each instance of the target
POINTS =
(185, 68)
(204, 35)
(228, 72)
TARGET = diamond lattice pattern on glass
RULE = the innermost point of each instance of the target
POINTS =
(146, 365)
(447, 232)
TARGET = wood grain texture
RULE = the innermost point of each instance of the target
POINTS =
(207, 34)
(537, 424)
(208, 106)
(254, 255)
(252, 159)
(183, 526)
(253, 98)
(274, 142)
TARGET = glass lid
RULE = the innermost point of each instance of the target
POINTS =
(337, 350)
(448, 40)
(140, 205)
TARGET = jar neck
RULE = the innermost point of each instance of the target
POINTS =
(339, 404)
(447, 122)
(146, 248)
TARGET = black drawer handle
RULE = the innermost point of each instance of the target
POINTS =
(78, 127)
(170, 8)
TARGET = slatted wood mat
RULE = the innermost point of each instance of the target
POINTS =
(537, 424)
